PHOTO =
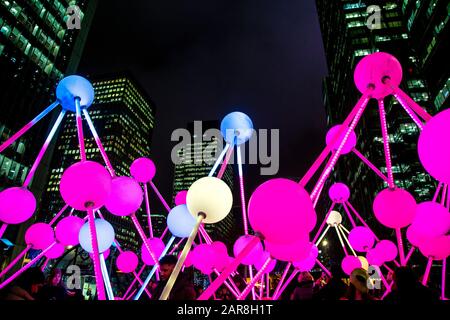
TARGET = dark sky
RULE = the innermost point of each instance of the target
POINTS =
(199, 60)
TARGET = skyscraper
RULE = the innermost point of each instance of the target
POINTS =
(196, 163)
(124, 117)
(347, 38)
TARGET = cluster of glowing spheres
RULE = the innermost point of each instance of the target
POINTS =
(125, 198)
(434, 147)
(361, 239)
(209, 196)
(143, 170)
(282, 211)
(17, 205)
(349, 144)
(180, 222)
(68, 229)
(85, 184)
(105, 236)
(157, 246)
(255, 252)
(236, 128)
(127, 261)
(39, 236)
(72, 87)
(394, 208)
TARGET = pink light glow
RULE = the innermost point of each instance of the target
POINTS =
(348, 146)
(127, 261)
(374, 257)
(361, 239)
(55, 252)
(415, 236)
(156, 245)
(143, 170)
(432, 219)
(295, 251)
(16, 205)
(387, 150)
(68, 229)
(436, 248)
(204, 258)
(39, 235)
(253, 255)
(125, 198)
(350, 263)
(305, 264)
(180, 198)
(281, 210)
(84, 184)
(339, 192)
(373, 69)
(387, 250)
(434, 147)
(394, 208)
(259, 264)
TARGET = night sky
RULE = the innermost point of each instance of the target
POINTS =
(199, 60)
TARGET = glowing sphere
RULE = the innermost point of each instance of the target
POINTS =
(305, 264)
(143, 170)
(364, 263)
(105, 236)
(68, 229)
(254, 254)
(85, 184)
(17, 205)
(221, 259)
(55, 252)
(295, 251)
(281, 210)
(434, 147)
(204, 257)
(189, 259)
(334, 218)
(432, 219)
(374, 257)
(127, 261)
(40, 236)
(394, 208)
(350, 263)
(125, 198)
(236, 128)
(180, 222)
(71, 87)
(339, 192)
(220, 248)
(180, 198)
(211, 196)
(157, 246)
(437, 248)
(349, 144)
(262, 259)
(361, 239)
(415, 236)
(374, 69)
(387, 250)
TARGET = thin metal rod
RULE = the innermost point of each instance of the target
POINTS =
(16, 259)
(143, 237)
(346, 240)
(241, 188)
(369, 164)
(323, 235)
(147, 209)
(323, 268)
(44, 148)
(398, 233)
(324, 222)
(438, 189)
(3, 229)
(360, 218)
(408, 256)
(225, 163)
(288, 281)
(160, 196)
(412, 104)
(109, 289)
(410, 112)
(27, 127)
(444, 268)
(96, 256)
(427, 271)
(349, 215)
(133, 282)
(56, 217)
(341, 241)
(387, 150)
(79, 122)
(219, 159)
(286, 270)
(252, 283)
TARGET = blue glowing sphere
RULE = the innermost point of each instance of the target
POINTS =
(180, 222)
(72, 87)
(236, 128)
(105, 236)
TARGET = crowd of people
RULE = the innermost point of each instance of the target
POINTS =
(404, 286)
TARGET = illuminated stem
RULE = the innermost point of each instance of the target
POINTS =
(324, 268)
(340, 240)
(56, 217)
(410, 112)
(401, 251)
(444, 267)
(143, 237)
(3, 229)
(133, 282)
(225, 163)
(427, 271)
(99, 143)
(147, 209)
(408, 256)
(288, 281)
(44, 148)
(79, 122)
(387, 150)
(28, 126)
(286, 270)
(96, 256)
(369, 164)
(255, 279)
(346, 240)
(109, 290)
(349, 215)
(44, 265)
(438, 189)
(250, 271)
(323, 235)
(412, 104)
(241, 187)
(175, 247)
(160, 196)
(345, 229)
(360, 219)
(219, 159)
(16, 259)
(324, 222)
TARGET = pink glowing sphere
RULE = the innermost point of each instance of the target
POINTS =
(437, 248)
(432, 219)
(221, 255)
(254, 254)
(350, 263)
(157, 246)
(305, 264)
(220, 248)
(394, 208)
(39, 235)
(415, 236)
(189, 259)
(374, 257)
(348, 146)
(339, 193)
(125, 198)
(361, 239)
(295, 251)
(85, 184)
(143, 170)
(374, 69)
(262, 259)
(281, 210)
(180, 198)
(127, 261)
(387, 250)
(17, 205)
(55, 252)
(68, 229)
(434, 146)
(204, 258)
